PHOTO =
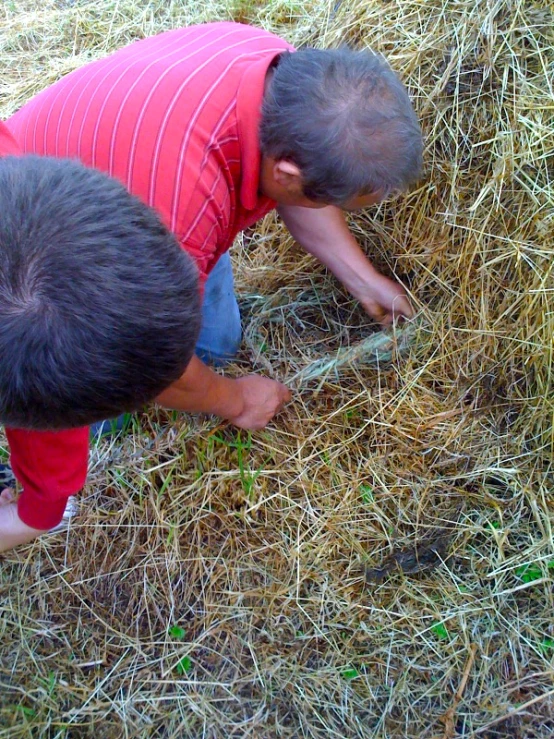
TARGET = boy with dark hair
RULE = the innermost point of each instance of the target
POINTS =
(213, 126)
(72, 242)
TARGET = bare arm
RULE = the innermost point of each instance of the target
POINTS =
(248, 402)
(324, 233)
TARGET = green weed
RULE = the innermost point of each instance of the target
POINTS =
(184, 665)
(177, 632)
(350, 673)
(530, 572)
(440, 630)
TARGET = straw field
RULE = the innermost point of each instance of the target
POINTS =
(379, 561)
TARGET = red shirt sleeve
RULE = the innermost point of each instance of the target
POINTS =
(51, 466)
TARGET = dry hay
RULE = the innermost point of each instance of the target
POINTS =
(260, 551)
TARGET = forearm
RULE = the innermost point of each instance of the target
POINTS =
(323, 232)
(201, 390)
(249, 402)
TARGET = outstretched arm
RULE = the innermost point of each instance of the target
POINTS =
(324, 233)
(248, 402)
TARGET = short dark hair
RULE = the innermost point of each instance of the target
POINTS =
(99, 305)
(345, 119)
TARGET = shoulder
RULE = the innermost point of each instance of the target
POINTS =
(237, 39)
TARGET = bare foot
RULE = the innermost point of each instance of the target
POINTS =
(6, 496)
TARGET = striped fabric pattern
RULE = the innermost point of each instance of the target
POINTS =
(171, 117)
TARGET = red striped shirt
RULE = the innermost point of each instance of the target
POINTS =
(175, 118)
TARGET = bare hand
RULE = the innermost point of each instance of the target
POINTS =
(386, 301)
(262, 399)
(12, 529)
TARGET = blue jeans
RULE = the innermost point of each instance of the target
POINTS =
(220, 334)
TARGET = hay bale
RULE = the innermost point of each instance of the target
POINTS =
(213, 584)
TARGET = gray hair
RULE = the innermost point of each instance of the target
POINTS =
(345, 119)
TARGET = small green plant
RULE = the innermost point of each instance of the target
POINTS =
(27, 712)
(247, 477)
(350, 673)
(49, 682)
(184, 665)
(546, 646)
(366, 494)
(114, 427)
(170, 534)
(201, 462)
(352, 414)
(530, 572)
(177, 632)
(440, 630)
(168, 478)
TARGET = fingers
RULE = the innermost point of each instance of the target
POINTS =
(401, 308)
(286, 395)
(262, 400)
(386, 301)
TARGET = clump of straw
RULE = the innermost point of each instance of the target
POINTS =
(214, 582)
(377, 349)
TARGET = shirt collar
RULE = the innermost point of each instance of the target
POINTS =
(249, 110)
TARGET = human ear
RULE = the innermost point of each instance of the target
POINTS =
(287, 175)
